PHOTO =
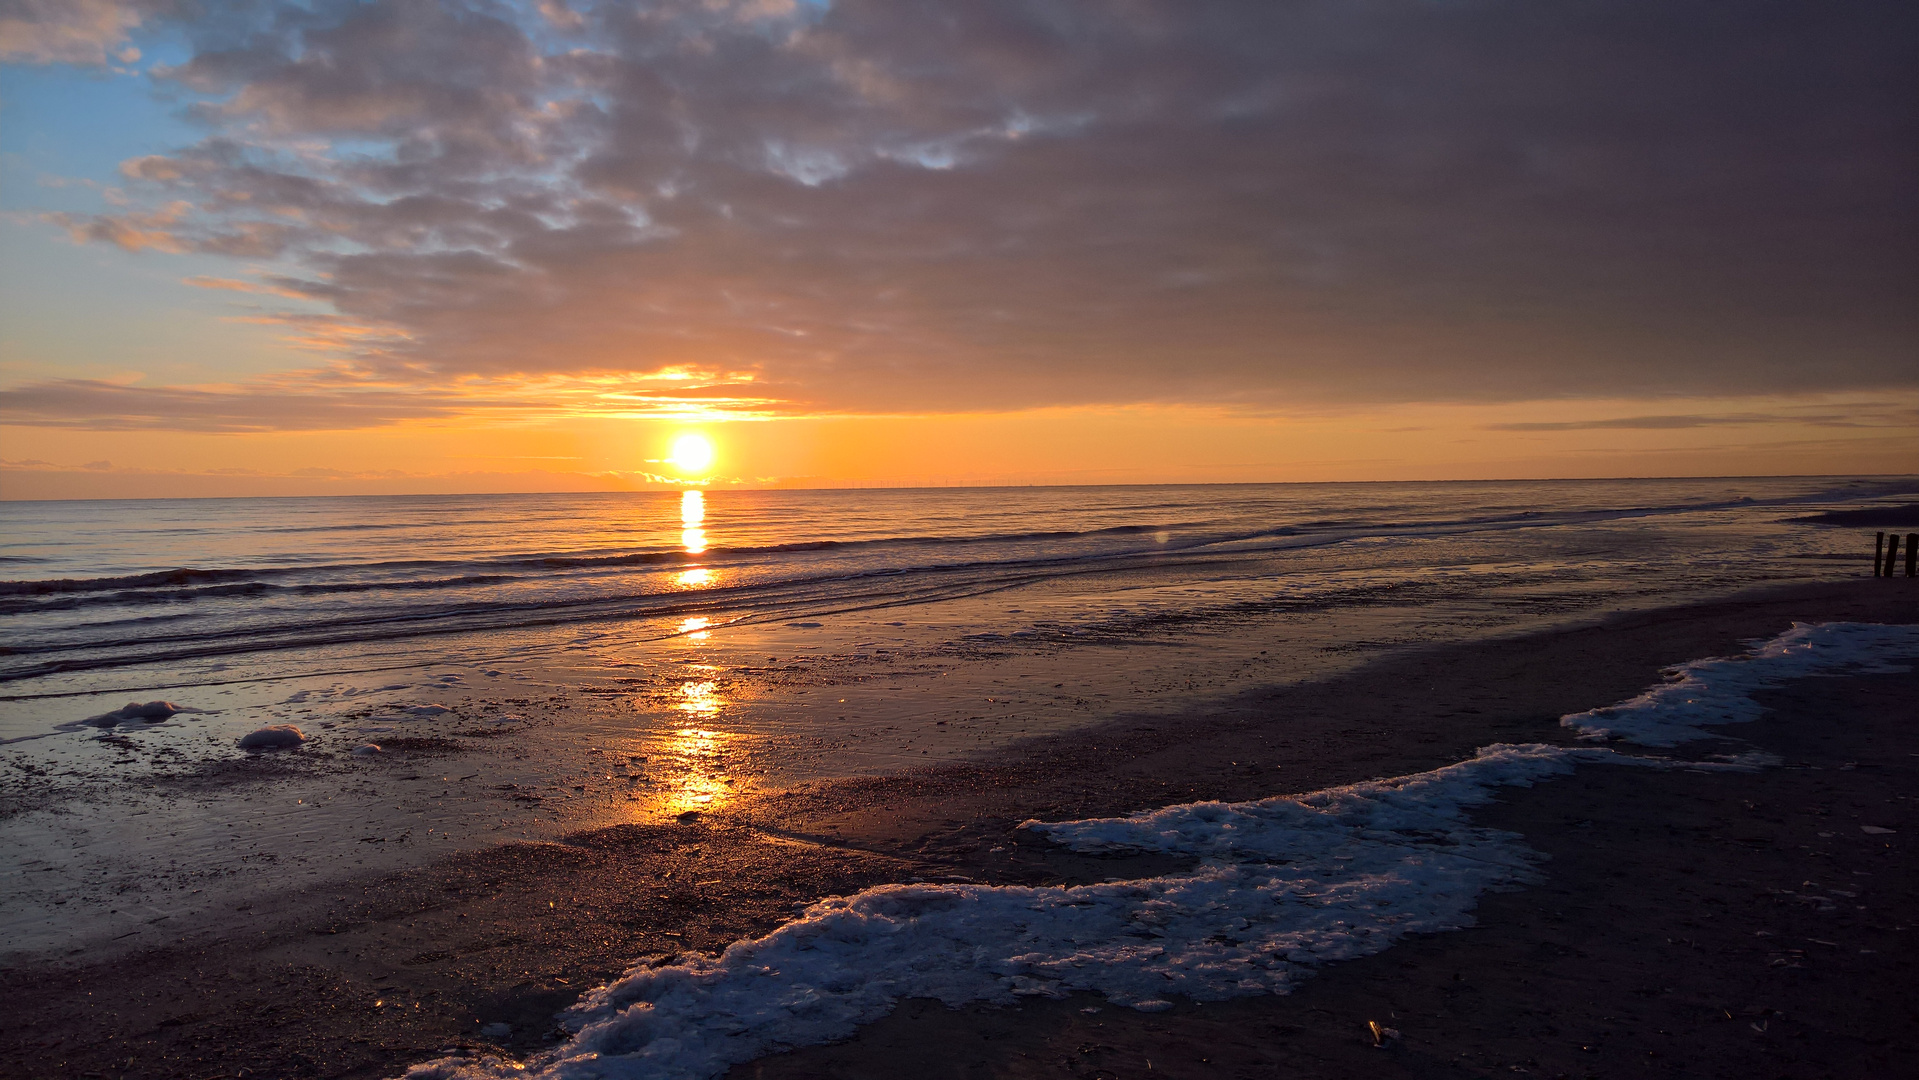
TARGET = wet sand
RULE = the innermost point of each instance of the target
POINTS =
(1686, 923)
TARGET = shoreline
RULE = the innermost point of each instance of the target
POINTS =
(449, 948)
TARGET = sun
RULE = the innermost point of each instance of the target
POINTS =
(692, 455)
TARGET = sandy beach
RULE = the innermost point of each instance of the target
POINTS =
(1686, 923)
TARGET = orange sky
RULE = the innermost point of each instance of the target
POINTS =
(1043, 446)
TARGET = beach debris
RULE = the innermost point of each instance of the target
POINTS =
(152, 712)
(367, 750)
(1382, 1036)
(1875, 830)
(273, 737)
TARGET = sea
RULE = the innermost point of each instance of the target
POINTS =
(462, 671)
(188, 592)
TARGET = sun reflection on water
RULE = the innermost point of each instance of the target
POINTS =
(698, 577)
(695, 627)
(692, 514)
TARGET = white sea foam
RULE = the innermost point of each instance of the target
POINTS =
(1280, 886)
(1719, 690)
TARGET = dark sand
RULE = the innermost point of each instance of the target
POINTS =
(1688, 924)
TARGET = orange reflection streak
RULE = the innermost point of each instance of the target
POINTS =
(695, 628)
(695, 578)
(691, 768)
(700, 753)
(700, 699)
(692, 513)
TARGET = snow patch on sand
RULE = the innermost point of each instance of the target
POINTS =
(1719, 690)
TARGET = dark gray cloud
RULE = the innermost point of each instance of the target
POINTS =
(881, 204)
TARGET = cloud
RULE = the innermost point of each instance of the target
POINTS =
(69, 31)
(338, 399)
(134, 231)
(285, 288)
(1858, 416)
(878, 206)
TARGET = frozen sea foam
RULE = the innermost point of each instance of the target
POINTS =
(1719, 690)
(1281, 885)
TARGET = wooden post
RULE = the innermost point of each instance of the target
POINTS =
(1912, 554)
(1892, 553)
(1878, 552)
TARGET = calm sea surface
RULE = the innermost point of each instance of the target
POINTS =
(192, 584)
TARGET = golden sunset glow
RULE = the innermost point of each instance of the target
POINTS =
(697, 578)
(692, 455)
(695, 628)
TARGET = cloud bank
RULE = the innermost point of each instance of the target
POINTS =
(885, 205)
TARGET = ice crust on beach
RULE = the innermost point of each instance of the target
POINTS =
(1718, 690)
(1281, 885)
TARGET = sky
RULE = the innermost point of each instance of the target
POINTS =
(268, 247)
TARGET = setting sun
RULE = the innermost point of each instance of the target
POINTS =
(692, 454)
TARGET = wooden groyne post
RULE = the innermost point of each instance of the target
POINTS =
(1885, 554)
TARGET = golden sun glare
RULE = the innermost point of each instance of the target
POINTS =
(692, 454)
